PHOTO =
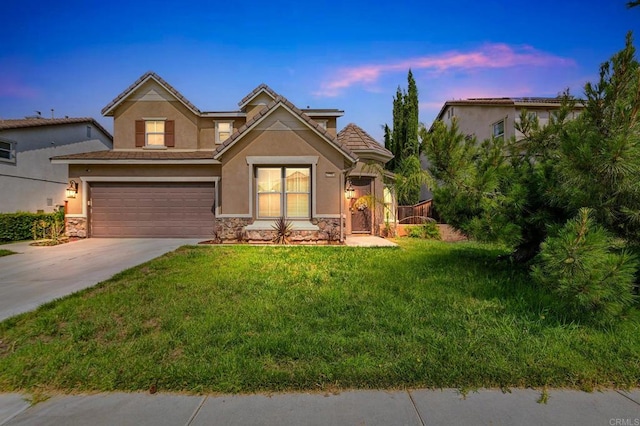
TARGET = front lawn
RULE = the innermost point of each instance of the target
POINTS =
(246, 319)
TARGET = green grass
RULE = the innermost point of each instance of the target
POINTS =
(246, 319)
(4, 252)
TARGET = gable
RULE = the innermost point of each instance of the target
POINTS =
(151, 91)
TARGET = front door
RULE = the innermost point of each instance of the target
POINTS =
(360, 208)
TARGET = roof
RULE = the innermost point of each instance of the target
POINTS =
(359, 141)
(282, 101)
(138, 155)
(262, 88)
(150, 75)
(23, 123)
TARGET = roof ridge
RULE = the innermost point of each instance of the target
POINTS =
(149, 74)
(256, 91)
(279, 99)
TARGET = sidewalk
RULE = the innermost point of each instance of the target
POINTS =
(414, 407)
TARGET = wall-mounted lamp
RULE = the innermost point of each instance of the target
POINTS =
(72, 189)
(349, 192)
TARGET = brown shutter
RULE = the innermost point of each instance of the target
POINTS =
(169, 133)
(140, 133)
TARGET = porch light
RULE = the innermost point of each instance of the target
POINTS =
(349, 192)
(72, 189)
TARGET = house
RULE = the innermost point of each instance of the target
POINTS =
(494, 117)
(28, 180)
(497, 117)
(177, 171)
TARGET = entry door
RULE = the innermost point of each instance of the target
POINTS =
(360, 213)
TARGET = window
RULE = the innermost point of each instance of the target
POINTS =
(224, 129)
(7, 151)
(283, 191)
(322, 123)
(498, 129)
(88, 132)
(155, 133)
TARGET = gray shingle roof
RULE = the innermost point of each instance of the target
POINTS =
(21, 123)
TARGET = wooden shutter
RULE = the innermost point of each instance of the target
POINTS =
(140, 133)
(169, 133)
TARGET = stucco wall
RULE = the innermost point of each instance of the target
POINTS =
(140, 172)
(32, 183)
(479, 120)
(280, 134)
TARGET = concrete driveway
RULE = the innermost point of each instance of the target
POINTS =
(37, 275)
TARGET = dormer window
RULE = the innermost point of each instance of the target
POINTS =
(155, 133)
(224, 129)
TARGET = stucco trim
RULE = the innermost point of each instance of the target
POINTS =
(278, 160)
(86, 180)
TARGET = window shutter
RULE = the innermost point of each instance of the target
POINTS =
(140, 133)
(169, 133)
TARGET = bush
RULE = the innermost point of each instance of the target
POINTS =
(19, 226)
(428, 230)
(580, 264)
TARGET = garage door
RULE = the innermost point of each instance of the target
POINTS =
(152, 209)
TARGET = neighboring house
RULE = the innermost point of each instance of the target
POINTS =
(497, 117)
(176, 171)
(28, 180)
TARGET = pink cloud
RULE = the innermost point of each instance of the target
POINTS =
(490, 56)
(12, 88)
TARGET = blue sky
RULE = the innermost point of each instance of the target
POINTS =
(76, 56)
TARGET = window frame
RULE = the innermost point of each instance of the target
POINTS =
(493, 129)
(147, 133)
(284, 192)
(11, 151)
(216, 125)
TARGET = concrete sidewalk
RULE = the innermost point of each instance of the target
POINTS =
(414, 407)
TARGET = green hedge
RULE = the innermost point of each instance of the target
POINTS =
(19, 226)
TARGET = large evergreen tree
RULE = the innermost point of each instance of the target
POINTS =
(557, 186)
(402, 138)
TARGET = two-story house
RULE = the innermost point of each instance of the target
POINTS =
(497, 117)
(28, 180)
(177, 171)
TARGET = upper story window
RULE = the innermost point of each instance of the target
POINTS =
(155, 133)
(498, 129)
(283, 191)
(224, 129)
(7, 151)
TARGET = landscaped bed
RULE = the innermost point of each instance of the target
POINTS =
(247, 319)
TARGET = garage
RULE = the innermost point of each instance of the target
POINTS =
(158, 209)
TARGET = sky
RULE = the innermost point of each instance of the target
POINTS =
(76, 56)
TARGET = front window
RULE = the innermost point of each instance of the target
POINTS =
(498, 129)
(283, 191)
(224, 129)
(154, 132)
(7, 153)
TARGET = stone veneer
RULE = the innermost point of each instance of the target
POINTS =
(232, 230)
(76, 227)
